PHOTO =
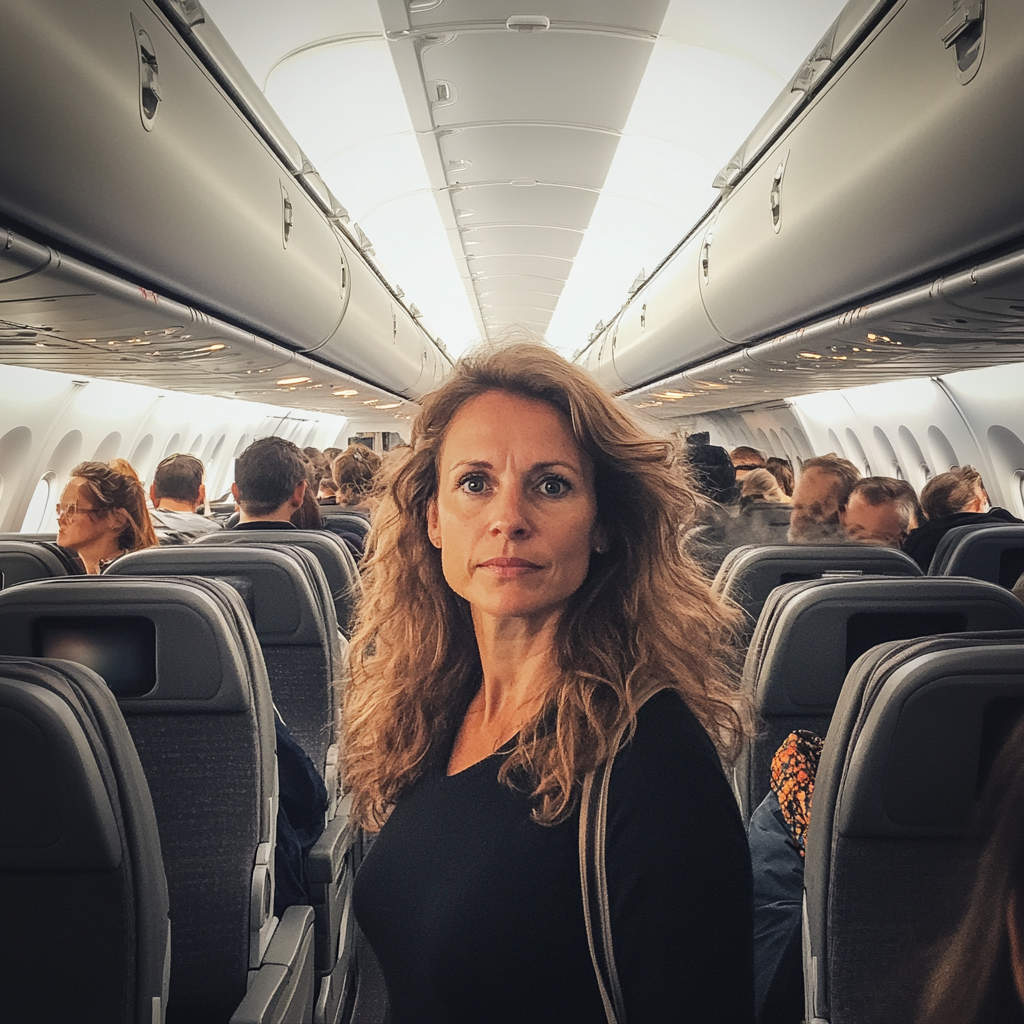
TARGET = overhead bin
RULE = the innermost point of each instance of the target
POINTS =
(663, 326)
(908, 159)
(119, 142)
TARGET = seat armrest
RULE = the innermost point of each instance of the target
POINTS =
(326, 861)
(281, 990)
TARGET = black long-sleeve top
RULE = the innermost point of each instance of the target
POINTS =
(475, 911)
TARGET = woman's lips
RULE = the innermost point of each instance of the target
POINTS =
(509, 567)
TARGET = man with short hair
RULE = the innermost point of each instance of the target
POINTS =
(956, 498)
(880, 510)
(270, 483)
(819, 497)
(176, 492)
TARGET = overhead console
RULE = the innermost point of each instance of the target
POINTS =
(892, 158)
(134, 137)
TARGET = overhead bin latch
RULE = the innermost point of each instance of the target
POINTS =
(287, 216)
(149, 76)
(964, 32)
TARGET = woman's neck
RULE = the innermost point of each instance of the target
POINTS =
(101, 550)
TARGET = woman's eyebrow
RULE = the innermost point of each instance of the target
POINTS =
(474, 463)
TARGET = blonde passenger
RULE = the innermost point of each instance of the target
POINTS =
(527, 613)
(102, 514)
(761, 485)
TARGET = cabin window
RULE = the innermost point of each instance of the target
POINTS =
(172, 445)
(40, 509)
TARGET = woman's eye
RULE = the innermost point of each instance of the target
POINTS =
(472, 484)
(554, 486)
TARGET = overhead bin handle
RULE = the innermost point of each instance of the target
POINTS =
(961, 20)
(150, 94)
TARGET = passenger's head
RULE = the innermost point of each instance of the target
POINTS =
(307, 515)
(326, 489)
(881, 510)
(783, 472)
(528, 494)
(354, 471)
(711, 470)
(746, 459)
(959, 490)
(102, 512)
(980, 978)
(820, 495)
(270, 479)
(760, 485)
(318, 466)
(178, 481)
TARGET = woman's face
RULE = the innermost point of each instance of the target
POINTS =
(85, 526)
(516, 514)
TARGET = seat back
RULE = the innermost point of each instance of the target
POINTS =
(749, 574)
(21, 561)
(300, 650)
(181, 657)
(33, 538)
(993, 552)
(330, 551)
(84, 929)
(811, 632)
(352, 527)
(892, 849)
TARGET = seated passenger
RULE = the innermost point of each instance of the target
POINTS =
(881, 510)
(980, 977)
(820, 495)
(176, 492)
(760, 486)
(307, 515)
(713, 477)
(327, 491)
(527, 599)
(270, 484)
(956, 498)
(102, 515)
(745, 460)
(778, 835)
(354, 472)
(783, 472)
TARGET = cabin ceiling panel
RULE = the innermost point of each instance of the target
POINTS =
(553, 77)
(530, 240)
(637, 16)
(545, 205)
(521, 152)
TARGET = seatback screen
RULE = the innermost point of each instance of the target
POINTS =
(121, 650)
(868, 629)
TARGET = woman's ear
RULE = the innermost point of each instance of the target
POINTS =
(434, 524)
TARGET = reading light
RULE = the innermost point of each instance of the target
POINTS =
(345, 393)
(293, 380)
(808, 355)
(390, 405)
(528, 23)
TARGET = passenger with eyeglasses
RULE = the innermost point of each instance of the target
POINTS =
(102, 515)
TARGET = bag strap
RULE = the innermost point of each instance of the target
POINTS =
(594, 880)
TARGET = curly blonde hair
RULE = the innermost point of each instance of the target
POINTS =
(644, 617)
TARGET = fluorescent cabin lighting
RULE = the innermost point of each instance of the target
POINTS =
(703, 91)
(343, 103)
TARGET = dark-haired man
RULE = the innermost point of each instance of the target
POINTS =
(176, 492)
(881, 510)
(270, 483)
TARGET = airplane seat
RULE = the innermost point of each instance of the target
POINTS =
(300, 650)
(21, 561)
(33, 538)
(751, 572)
(183, 661)
(353, 527)
(84, 933)
(811, 632)
(892, 851)
(765, 522)
(992, 551)
(331, 552)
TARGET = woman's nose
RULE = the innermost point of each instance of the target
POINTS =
(510, 515)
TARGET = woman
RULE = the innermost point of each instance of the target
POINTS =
(980, 978)
(354, 471)
(783, 473)
(759, 485)
(102, 514)
(525, 599)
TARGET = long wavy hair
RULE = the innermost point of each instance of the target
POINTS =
(116, 485)
(644, 617)
(973, 982)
